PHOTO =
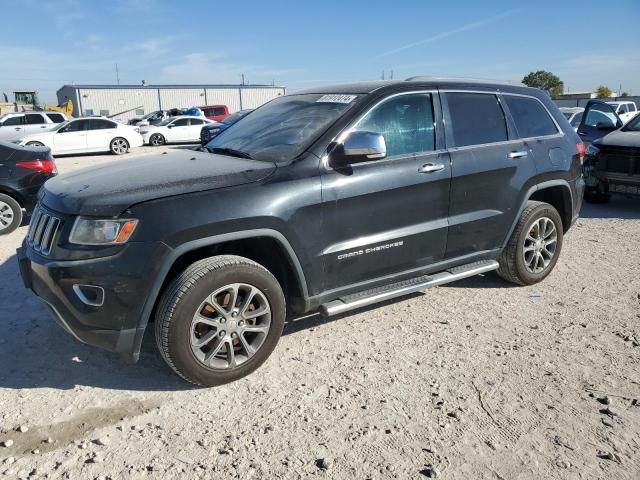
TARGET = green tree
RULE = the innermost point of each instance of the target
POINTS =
(624, 94)
(545, 81)
(603, 92)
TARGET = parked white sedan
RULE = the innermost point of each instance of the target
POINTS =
(85, 135)
(174, 130)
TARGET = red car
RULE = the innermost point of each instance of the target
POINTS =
(215, 112)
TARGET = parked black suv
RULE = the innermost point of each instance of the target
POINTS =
(327, 200)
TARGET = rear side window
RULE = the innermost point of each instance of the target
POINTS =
(55, 117)
(406, 121)
(530, 117)
(476, 119)
(182, 122)
(195, 121)
(34, 119)
(14, 121)
(100, 124)
(218, 111)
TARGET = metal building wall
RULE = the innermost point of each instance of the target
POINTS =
(181, 97)
(117, 100)
(254, 97)
(224, 96)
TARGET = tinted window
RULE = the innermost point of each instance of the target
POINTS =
(76, 126)
(406, 121)
(14, 121)
(218, 111)
(476, 118)
(181, 122)
(632, 107)
(195, 121)
(100, 124)
(599, 113)
(55, 117)
(530, 117)
(34, 119)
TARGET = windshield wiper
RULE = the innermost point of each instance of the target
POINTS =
(230, 151)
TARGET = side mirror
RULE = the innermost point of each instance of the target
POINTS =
(170, 126)
(605, 126)
(359, 147)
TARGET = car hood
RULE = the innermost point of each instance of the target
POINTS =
(620, 138)
(108, 190)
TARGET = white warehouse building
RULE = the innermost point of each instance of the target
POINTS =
(138, 100)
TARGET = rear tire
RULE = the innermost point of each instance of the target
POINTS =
(534, 246)
(10, 214)
(119, 146)
(157, 140)
(219, 320)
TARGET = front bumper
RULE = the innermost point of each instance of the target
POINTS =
(126, 278)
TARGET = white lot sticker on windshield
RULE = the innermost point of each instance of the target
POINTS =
(336, 98)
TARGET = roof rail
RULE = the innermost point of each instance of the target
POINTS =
(431, 78)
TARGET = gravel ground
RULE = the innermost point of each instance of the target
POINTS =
(477, 379)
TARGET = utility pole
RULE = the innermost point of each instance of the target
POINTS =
(243, 79)
(117, 74)
(391, 75)
(382, 74)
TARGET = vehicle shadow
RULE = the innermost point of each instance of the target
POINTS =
(620, 206)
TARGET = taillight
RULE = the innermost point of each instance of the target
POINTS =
(581, 151)
(42, 166)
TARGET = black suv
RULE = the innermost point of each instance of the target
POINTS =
(325, 200)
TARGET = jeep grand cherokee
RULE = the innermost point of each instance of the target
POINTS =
(325, 200)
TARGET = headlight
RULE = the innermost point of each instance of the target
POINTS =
(87, 231)
(592, 150)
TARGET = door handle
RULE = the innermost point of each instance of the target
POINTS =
(43, 126)
(17, 129)
(519, 154)
(431, 168)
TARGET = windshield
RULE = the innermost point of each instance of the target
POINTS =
(282, 129)
(633, 125)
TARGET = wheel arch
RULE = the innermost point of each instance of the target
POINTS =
(264, 246)
(558, 191)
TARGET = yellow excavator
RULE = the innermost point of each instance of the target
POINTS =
(66, 108)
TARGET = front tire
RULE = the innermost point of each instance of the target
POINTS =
(10, 214)
(157, 140)
(219, 320)
(119, 146)
(534, 246)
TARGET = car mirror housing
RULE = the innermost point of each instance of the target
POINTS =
(358, 147)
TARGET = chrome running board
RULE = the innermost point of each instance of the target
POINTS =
(380, 294)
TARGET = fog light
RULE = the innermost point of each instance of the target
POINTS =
(91, 295)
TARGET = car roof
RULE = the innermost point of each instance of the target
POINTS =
(419, 82)
(198, 117)
(572, 109)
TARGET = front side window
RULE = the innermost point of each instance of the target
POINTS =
(632, 107)
(633, 125)
(405, 121)
(76, 126)
(530, 117)
(11, 121)
(285, 127)
(34, 119)
(476, 119)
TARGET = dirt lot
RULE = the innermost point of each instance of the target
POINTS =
(473, 380)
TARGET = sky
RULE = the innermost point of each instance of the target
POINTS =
(46, 44)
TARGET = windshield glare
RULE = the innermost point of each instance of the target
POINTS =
(282, 129)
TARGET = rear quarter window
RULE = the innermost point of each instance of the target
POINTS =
(476, 119)
(530, 117)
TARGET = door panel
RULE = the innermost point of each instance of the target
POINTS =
(384, 217)
(12, 129)
(491, 169)
(35, 123)
(71, 138)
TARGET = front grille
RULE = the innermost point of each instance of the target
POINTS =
(42, 231)
(620, 160)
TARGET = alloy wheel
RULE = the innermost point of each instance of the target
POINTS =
(156, 140)
(119, 146)
(230, 326)
(6, 215)
(540, 245)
